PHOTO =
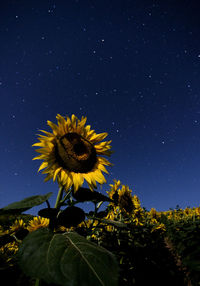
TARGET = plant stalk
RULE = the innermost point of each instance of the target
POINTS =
(37, 282)
(59, 197)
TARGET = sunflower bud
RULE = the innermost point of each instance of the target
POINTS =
(51, 214)
(71, 216)
(48, 213)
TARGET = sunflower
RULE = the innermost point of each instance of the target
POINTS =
(18, 225)
(37, 222)
(123, 198)
(11, 248)
(126, 201)
(71, 153)
(8, 252)
(113, 192)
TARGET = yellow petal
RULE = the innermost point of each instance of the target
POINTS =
(104, 161)
(38, 144)
(83, 121)
(69, 183)
(77, 180)
(93, 181)
(42, 166)
(41, 157)
(80, 126)
(87, 177)
(47, 133)
(98, 137)
(63, 176)
(99, 177)
(102, 168)
(73, 121)
(53, 126)
(87, 128)
(61, 124)
(45, 138)
(56, 173)
(42, 150)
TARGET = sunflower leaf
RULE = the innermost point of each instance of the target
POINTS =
(25, 204)
(66, 259)
(85, 194)
(115, 223)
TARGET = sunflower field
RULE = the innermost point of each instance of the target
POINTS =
(120, 244)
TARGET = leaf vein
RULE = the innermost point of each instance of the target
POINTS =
(87, 262)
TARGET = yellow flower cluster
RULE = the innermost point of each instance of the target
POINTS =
(154, 217)
(183, 214)
(11, 248)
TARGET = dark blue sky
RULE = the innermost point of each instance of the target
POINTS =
(131, 67)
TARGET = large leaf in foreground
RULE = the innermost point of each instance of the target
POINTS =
(25, 204)
(67, 259)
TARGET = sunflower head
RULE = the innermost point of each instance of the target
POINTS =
(9, 249)
(113, 192)
(126, 201)
(71, 153)
(153, 213)
(18, 225)
(123, 198)
(37, 222)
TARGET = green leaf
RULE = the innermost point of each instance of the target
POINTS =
(111, 222)
(25, 204)
(32, 254)
(115, 223)
(85, 194)
(67, 259)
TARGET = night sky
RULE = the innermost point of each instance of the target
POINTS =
(131, 67)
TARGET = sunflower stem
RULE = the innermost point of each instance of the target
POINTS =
(37, 282)
(48, 204)
(99, 204)
(59, 197)
(65, 197)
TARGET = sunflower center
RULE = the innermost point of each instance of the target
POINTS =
(125, 202)
(80, 148)
(115, 196)
(75, 153)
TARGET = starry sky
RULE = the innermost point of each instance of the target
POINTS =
(131, 67)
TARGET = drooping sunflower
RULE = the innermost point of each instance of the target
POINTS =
(122, 197)
(113, 192)
(71, 153)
